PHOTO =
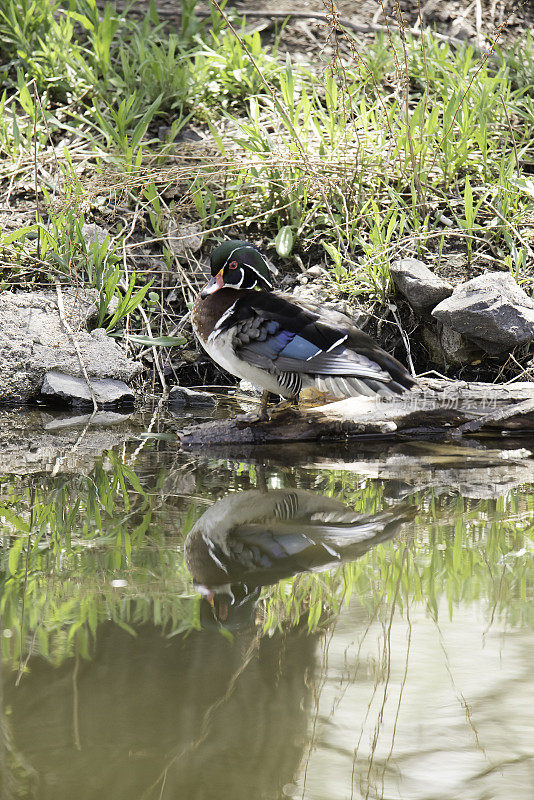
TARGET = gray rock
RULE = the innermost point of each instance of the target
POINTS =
(418, 284)
(186, 134)
(182, 396)
(461, 29)
(183, 237)
(33, 341)
(491, 310)
(316, 272)
(92, 233)
(75, 391)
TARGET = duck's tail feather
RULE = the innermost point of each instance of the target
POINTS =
(348, 386)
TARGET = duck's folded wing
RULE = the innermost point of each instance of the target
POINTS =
(273, 333)
(321, 540)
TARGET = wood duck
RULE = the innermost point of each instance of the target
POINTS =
(251, 539)
(283, 344)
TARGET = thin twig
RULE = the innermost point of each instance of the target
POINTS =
(478, 22)
(61, 309)
(525, 372)
(155, 353)
(155, 417)
(512, 228)
(36, 185)
(416, 175)
(207, 720)
(425, 98)
(75, 704)
(61, 459)
(405, 338)
(26, 567)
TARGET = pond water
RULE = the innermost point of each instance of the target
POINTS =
(375, 640)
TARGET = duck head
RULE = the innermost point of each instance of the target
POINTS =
(231, 604)
(238, 265)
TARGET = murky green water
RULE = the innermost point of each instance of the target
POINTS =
(399, 665)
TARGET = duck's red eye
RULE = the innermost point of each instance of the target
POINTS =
(233, 264)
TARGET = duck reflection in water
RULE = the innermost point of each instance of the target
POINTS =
(255, 538)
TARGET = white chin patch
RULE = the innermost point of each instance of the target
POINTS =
(212, 289)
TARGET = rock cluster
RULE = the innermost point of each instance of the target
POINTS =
(487, 314)
(491, 310)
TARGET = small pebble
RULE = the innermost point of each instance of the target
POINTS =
(181, 396)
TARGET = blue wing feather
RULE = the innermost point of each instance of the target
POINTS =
(299, 348)
(299, 355)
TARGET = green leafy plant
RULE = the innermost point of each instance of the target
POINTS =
(129, 301)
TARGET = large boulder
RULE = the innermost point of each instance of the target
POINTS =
(492, 311)
(33, 341)
(422, 289)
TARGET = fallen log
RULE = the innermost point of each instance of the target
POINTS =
(435, 409)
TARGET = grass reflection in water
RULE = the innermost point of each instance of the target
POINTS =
(80, 550)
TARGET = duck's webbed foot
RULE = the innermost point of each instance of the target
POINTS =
(284, 406)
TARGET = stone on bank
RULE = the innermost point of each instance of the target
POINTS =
(75, 391)
(419, 285)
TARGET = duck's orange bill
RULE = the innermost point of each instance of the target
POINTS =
(214, 285)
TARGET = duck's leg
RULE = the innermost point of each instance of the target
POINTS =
(257, 416)
(264, 415)
(290, 404)
(263, 405)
